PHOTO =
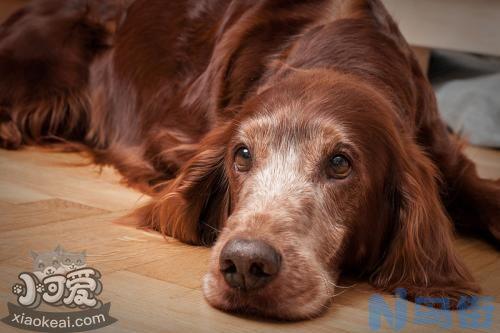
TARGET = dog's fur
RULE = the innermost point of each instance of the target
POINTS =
(167, 91)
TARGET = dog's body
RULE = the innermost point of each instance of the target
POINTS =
(170, 92)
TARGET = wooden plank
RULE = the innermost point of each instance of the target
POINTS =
(56, 175)
(483, 261)
(13, 192)
(487, 161)
(184, 266)
(110, 246)
(27, 215)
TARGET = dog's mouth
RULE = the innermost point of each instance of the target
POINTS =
(276, 301)
(252, 278)
(236, 300)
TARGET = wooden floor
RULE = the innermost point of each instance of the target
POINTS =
(153, 284)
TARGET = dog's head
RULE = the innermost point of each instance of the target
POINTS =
(319, 171)
(315, 175)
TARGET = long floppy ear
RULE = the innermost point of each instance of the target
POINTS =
(193, 206)
(421, 257)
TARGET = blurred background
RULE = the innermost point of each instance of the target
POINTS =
(457, 43)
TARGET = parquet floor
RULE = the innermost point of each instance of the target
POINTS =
(153, 284)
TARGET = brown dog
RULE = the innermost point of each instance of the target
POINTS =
(300, 134)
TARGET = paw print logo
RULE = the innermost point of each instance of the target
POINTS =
(40, 288)
(17, 289)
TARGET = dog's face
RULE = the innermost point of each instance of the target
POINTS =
(317, 174)
(301, 175)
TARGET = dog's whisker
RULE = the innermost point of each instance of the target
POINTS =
(336, 285)
(211, 227)
(343, 287)
(340, 293)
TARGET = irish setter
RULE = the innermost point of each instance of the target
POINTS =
(299, 136)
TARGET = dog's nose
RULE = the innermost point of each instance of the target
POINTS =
(249, 264)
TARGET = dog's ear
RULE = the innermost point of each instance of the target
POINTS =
(421, 257)
(193, 206)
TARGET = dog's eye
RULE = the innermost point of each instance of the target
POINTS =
(339, 167)
(243, 159)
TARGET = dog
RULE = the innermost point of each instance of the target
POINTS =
(300, 138)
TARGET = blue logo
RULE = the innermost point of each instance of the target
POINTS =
(475, 312)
